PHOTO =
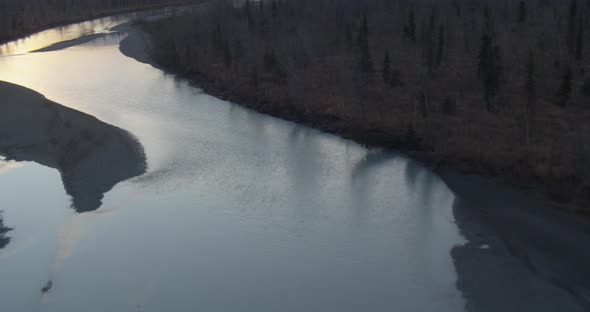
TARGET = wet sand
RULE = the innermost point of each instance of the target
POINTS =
(521, 253)
(91, 156)
(136, 45)
(70, 43)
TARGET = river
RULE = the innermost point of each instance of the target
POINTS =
(237, 211)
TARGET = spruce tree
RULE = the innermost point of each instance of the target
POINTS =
(413, 26)
(490, 69)
(565, 88)
(386, 69)
(248, 9)
(410, 28)
(348, 36)
(429, 53)
(4, 240)
(522, 12)
(530, 85)
(395, 79)
(490, 62)
(254, 77)
(217, 37)
(441, 45)
(365, 62)
(580, 41)
(363, 33)
(227, 55)
(571, 33)
(531, 94)
(274, 8)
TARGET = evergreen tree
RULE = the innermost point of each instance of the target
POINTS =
(522, 12)
(217, 37)
(348, 36)
(254, 77)
(410, 28)
(586, 87)
(531, 94)
(488, 23)
(413, 26)
(571, 33)
(365, 62)
(238, 51)
(395, 79)
(490, 63)
(411, 139)
(580, 41)
(273, 66)
(227, 55)
(429, 53)
(363, 33)
(565, 88)
(530, 85)
(274, 8)
(441, 45)
(449, 105)
(4, 240)
(386, 69)
(490, 69)
(248, 9)
(270, 60)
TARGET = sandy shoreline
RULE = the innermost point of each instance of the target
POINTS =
(518, 247)
(70, 43)
(91, 156)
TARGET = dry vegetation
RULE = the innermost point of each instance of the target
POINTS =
(22, 17)
(496, 87)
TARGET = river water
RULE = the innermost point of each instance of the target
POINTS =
(237, 211)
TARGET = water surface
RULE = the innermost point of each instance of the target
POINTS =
(237, 211)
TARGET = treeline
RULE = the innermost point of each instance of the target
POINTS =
(21, 17)
(500, 87)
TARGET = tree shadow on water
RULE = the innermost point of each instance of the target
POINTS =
(4, 240)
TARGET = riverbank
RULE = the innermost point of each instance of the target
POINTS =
(562, 191)
(78, 19)
(70, 43)
(91, 156)
(503, 224)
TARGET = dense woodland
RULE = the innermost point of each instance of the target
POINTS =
(498, 87)
(21, 17)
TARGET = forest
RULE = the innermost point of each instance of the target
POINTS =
(22, 17)
(494, 87)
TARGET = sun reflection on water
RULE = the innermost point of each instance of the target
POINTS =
(48, 37)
